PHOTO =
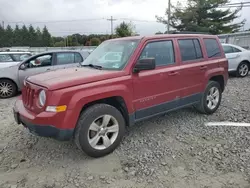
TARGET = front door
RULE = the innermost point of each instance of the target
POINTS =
(157, 91)
(38, 64)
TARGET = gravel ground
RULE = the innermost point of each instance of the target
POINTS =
(175, 150)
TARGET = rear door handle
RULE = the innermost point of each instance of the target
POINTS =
(48, 69)
(203, 67)
(173, 73)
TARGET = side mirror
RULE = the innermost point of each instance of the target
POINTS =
(22, 67)
(144, 64)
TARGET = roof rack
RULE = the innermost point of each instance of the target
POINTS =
(189, 32)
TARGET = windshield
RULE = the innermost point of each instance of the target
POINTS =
(112, 55)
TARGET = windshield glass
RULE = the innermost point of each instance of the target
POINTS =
(112, 55)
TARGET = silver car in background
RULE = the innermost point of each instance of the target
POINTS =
(12, 77)
(12, 58)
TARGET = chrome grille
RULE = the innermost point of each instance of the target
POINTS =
(28, 96)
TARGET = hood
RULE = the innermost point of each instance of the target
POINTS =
(9, 65)
(63, 78)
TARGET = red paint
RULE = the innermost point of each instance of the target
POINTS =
(77, 87)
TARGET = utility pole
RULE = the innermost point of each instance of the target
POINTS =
(111, 21)
(3, 24)
(169, 5)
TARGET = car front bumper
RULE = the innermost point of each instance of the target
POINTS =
(28, 120)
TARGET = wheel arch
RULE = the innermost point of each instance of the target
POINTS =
(116, 101)
(220, 80)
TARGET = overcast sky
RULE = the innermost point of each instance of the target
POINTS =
(88, 16)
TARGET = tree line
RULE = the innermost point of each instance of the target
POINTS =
(29, 36)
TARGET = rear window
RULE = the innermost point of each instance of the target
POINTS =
(212, 47)
(190, 49)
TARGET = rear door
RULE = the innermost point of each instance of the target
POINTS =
(192, 69)
(67, 60)
(158, 90)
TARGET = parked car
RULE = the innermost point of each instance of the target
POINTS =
(11, 78)
(238, 59)
(12, 58)
(94, 103)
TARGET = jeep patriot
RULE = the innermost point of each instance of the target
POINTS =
(141, 78)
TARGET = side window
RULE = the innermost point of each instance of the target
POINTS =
(5, 58)
(40, 61)
(162, 51)
(65, 58)
(212, 47)
(190, 49)
(78, 58)
(228, 49)
(236, 49)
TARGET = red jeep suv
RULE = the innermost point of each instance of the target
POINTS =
(124, 81)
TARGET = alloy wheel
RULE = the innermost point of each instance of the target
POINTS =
(6, 89)
(103, 132)
(213, 98)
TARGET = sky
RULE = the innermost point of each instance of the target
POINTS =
(64, 17)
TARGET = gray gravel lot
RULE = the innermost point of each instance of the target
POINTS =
(175, 150)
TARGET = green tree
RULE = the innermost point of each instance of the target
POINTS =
(59, 44)
(95, 42)
(204, 16)
(39, 41)
(2, 38)
(17, 38)
(24, 34)
(124, 29)
(32, 36)
(8, 36)
(46, 37)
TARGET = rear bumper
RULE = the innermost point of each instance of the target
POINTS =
(28, 120)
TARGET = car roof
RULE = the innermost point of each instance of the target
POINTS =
(13, 52)
(164, 36)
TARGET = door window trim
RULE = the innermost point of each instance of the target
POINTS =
(152, 41)
(192, 60)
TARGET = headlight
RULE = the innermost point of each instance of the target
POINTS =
(42, 98)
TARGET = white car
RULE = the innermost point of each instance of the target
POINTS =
(238, 59)
(8, 59)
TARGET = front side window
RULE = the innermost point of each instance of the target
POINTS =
(112, 55)
(5, 58)
(40, 61)
(190, 49)
(65, 58)
(212, 47)
(162, 51)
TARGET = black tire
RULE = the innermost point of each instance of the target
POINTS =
(243, 63)
(202, 106)
(83, 125)
(12, 86)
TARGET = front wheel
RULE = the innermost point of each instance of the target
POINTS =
(7, 89)
(99, 130)
(211, 98)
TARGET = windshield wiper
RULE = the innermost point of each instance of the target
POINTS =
(93, 66)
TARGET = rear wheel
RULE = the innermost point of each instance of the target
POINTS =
(99, 130)
(7, 88)
(211, 98)
(242, 69)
